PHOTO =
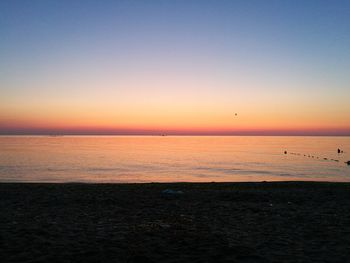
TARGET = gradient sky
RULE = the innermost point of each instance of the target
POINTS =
(177, 67)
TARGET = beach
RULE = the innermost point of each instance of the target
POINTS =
(181, 222)
(174, 131)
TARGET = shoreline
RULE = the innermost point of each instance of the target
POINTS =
(175, 183)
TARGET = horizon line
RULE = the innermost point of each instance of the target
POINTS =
(180, 134)
(177, 135)
(174, 132)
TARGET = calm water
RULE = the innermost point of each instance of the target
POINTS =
(171, 158)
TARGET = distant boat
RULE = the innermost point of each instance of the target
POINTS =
(55, 135)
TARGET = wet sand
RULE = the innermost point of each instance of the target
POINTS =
(214, 222)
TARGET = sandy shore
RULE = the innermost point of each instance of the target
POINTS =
(215, 222)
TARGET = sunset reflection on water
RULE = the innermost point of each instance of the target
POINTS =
(124, 159)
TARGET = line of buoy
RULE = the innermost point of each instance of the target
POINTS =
(324, 158)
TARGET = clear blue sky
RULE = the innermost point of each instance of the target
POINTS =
(159, 65)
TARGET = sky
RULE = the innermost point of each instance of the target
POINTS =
(175, 67)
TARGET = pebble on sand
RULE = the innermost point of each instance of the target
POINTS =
(171, 192)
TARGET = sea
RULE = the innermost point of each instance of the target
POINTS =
(136, 159)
